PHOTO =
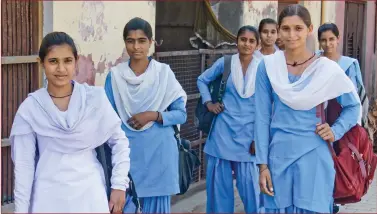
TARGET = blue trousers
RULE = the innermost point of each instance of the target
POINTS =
(219, 181)
(157, 204)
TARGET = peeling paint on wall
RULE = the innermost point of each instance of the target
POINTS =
(97, 29)
(124, 57)
(85, 70)
(92, 25)
(255, 11)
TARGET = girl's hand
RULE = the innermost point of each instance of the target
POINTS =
(265, 181)
(325, 131)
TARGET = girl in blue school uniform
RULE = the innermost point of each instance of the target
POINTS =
(328, 36)
(229, 144)
(296, 168)
(149, 100)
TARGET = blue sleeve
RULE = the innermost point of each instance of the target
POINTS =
(176, 113)
(348, 117)
(109, 91)
(208, 76)
(263, 109)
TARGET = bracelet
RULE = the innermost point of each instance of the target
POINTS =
(158, 115)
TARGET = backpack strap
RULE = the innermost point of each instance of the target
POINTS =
(224, 79)
(320, 113)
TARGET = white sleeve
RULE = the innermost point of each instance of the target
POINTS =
(23, 149)
(120, 159)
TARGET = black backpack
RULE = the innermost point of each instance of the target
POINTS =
(203, 117)
(104, 157)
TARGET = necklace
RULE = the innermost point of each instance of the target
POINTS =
(60, 97)
(296, 64)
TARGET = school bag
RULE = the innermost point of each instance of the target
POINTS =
(104, 157)
(203, 117)
(188, 161)
(354, 162)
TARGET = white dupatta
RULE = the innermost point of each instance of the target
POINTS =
(245, 86)
(321, 81)
(154, 90)
(88, 123)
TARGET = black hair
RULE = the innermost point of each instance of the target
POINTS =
(266, 21)
(138, 24)
(296, 10)
(53, 39)
(252, 29)
(328, 27)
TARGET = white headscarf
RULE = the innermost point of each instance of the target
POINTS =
(245, 86)
(154, 90)
(327, 81)
(88, 123)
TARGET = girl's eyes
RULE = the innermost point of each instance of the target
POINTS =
(54, 61)
(298, 28)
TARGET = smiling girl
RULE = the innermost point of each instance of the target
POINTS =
(268, 35)
(295, 164)
(63, 124)
(229, 144)
(328, 36)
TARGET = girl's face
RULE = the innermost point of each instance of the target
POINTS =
(268, 34)
(293, 32)
(59, 65)
(246, 43)
(329, 42)
(137, 44)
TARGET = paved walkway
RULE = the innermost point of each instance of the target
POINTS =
(197, 203)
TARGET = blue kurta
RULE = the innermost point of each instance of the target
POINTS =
(154, 152)
(233, 130)
(299, 160)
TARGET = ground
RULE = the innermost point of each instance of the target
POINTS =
(197, 203)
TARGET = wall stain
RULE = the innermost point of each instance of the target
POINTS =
(123, 58)
(86, 70)
(92, 26)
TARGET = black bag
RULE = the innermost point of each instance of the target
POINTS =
(203, 117)
(104, 157)
(187, 160)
